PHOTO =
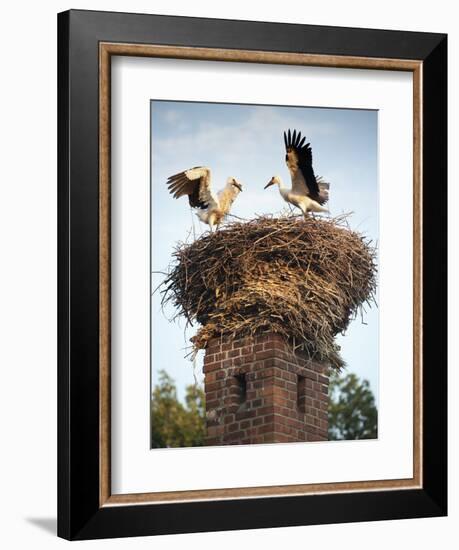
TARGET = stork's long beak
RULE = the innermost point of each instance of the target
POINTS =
(270, 182)
(238, 185)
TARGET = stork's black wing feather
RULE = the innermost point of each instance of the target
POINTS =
(195, 201)
(179, 185)
(304, 154)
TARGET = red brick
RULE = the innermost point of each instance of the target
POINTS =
(213, 386)
(266, 391)
(273, 410)
(233, 437)
(213, 344)
(233, 427)
(239, 361)
(265, 428)
(211, 377)
(246, 413)
(271, 345)
(264, 355)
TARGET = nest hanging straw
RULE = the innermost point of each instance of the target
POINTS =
(304, 279)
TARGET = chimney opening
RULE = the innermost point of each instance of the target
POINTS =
(242, 388)
(301, 394)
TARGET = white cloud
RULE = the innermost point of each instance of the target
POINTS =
(171, 116)
(232, 143)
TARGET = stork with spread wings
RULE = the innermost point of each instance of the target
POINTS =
(196, 183)
(308, 192)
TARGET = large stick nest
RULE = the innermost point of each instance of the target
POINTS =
(304, 279)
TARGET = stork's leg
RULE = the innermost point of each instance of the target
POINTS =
(211, 222)
(305, 211)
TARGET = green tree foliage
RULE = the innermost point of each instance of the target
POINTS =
(352, 412)
(172, 423)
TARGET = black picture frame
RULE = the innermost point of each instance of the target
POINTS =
(80, 515)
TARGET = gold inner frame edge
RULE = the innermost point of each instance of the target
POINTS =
(106, 51)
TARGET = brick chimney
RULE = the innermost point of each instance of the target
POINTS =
(259, 391)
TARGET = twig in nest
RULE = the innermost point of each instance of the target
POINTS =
(304, 279)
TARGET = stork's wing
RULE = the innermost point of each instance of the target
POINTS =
(299, 161)
(195, 183)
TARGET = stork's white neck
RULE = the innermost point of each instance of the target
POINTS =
(280, 183)
(283, 190)
(231, 190)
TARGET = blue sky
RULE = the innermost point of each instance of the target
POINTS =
(246, 141)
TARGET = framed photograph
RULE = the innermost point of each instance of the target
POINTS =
(252, 275)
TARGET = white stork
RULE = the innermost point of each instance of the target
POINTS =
(308, 193)
(196, 183)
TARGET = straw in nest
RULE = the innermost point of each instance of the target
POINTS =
(304, 279)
